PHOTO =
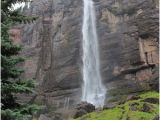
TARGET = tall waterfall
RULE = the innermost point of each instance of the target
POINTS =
(93, 90)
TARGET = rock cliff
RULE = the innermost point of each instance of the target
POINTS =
(128, 38)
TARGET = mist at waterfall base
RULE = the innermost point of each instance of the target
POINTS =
(92, 91)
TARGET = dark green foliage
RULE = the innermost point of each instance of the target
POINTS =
(23, 113)
(11, 84)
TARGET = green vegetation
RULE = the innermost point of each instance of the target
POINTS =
(11, 83)
(149, 95)
(134, 109)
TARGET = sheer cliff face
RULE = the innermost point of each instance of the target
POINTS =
(53, 43)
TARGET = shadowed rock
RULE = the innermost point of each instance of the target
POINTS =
(83, 108)
(152, 100)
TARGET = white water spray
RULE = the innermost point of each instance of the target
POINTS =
(93, 90)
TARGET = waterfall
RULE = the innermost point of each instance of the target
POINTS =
(66, 103)
(92, 91)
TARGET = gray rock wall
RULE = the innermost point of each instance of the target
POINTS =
(53, 43)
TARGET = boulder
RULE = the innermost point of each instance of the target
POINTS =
(83, 108)
(133, 106)
(146, 108)
(80, 113)
(152, 100)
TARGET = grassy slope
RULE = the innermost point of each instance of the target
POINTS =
(124, 112)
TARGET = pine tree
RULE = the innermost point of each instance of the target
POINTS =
(11, 84)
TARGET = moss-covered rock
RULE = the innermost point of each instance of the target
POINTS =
(133, 109)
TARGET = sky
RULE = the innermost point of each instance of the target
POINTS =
(18, 5)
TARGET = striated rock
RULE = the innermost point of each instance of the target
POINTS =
(120, 29)
(53, 50)
(127, 31)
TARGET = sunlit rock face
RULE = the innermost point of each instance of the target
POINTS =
(53, 46)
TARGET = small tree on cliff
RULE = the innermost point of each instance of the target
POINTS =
(11, 84)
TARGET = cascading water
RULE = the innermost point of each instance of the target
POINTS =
(93, 90)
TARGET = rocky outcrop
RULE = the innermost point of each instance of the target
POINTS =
(128, 36)
(152, 100)
(129, 110)
(83, 108)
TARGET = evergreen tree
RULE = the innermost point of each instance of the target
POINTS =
(11, 84)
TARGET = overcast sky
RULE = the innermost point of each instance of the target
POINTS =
(18, 5)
